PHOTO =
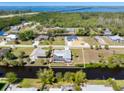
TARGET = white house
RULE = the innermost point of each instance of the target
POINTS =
(11, 37)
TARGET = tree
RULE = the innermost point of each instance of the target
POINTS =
(77, 88)
(27, 35)
(46, 76)
(80, 77)
(69, 77)
(11, 77)
(106, 47)
(91, 46)
(10, 56)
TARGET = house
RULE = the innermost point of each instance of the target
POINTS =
(116, 38)
(107, 32)
(4, 51)
(41, 37)
(15, 28)
(100, 40)
(62, 55)
(97, 88)
(11, 37)
(72, 38)
(38, 53)
(2, 33)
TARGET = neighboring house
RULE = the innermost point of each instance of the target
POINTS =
(15, 28)
(38, 53)
(3, 52)
(42, 37)
(62, 55)
(2, 33)
(116, 38)
(11, 37)
(71, 39)
(97, 88)
(100, 40)
(107, 32)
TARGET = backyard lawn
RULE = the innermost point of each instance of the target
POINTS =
(104, 82)
(26, 83)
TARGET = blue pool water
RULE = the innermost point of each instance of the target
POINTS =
(64, 8)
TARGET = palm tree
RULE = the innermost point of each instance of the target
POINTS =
(46, 76)
(11, 77)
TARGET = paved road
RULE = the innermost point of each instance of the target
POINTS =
(56, 46)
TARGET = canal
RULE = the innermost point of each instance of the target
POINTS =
(30, 72)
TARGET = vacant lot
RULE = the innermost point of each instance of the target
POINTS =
(90, 40)
(92, 55)
(77, 56)
(57, 41)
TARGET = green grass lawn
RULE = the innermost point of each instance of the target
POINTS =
(29, 42)
(26, 83)
(57, 41)
(104, 82)
(17, 51)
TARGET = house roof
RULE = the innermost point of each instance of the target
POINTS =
(38, 52)
(2, 33)
(107, 32)
(66, 54)
(41, 37)
(116, 37)
(11, 36)
(71, 38)
(97, 88)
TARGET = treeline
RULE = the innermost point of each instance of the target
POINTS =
(91, 22)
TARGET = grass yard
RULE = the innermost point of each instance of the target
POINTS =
(90, 40)
(26, 83)
(92, 55)
(17, 51)
(29, 42)
(58, 64)
(77, 56)
(104, 82)
(110, 42)
(57, 41)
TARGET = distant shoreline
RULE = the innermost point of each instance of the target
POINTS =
(64, 8)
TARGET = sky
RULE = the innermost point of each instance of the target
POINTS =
(61, 3)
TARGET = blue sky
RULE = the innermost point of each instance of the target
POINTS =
(61, 3)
